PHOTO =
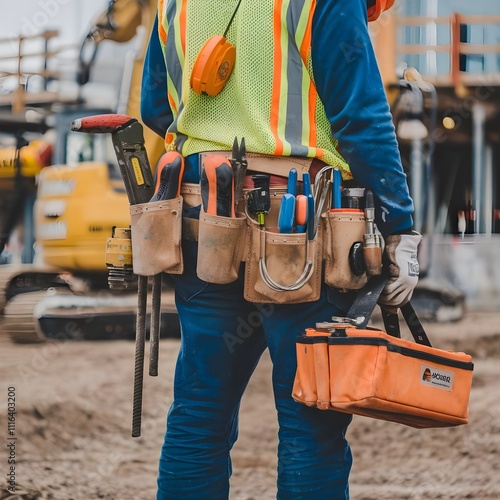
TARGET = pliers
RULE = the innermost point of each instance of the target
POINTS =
(239, 165)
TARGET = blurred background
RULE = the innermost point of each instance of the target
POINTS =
(72, 21)
(62, 192)
(447, 121)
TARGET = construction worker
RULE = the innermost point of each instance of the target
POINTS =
(305, 83)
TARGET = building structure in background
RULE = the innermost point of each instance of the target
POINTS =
(453, 160)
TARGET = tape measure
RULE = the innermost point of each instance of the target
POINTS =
(213, 66)
(214, 63)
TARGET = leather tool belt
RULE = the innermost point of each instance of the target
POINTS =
(279, 268)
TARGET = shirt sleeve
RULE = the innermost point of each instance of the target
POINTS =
(155, 110)
(348, 82)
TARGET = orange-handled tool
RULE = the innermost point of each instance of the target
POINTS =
(168, 176)
(300, 213)
(217, 186)
(168, 179)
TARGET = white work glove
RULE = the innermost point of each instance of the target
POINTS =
(401, 264)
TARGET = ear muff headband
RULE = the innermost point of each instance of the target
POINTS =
(375, 8)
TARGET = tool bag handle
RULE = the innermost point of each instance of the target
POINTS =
(365, 302)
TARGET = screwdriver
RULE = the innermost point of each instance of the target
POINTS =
(287, 213)
(337, 189)
(292, 182)
(217, 186)
(168, 176)
(306, 184)
(372, 248)
(311, 229)
(300, 213)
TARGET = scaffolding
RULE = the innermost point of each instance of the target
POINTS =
(20, 64)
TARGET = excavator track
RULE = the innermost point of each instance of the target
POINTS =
(58, 314)
(18, 321)
(21, 287)
(7, 272)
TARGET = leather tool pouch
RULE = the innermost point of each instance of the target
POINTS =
(371, 373)
(343, 228)
(221, 243)
(280, 268)
(156, 237)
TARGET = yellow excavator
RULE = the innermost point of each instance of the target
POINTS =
(61, 291)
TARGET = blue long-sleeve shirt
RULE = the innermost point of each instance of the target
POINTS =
(348, 83)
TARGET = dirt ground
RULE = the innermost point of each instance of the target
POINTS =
(73, 418)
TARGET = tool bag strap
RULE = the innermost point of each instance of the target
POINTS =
(365, 302)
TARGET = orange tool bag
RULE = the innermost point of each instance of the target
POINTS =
(345, 366)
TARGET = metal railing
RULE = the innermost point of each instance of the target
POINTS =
(14, 62)
(456, 50)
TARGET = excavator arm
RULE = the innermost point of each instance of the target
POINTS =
(119, 23)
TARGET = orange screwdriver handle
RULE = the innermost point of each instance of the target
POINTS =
(217, 186)
(168, 176)
(300, 213)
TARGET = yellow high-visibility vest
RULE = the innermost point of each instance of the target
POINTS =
(270, 98)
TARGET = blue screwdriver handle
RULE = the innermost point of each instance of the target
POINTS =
(337, 189)
(292, 182)
(311, 230)
(287, 213)
(306, 184)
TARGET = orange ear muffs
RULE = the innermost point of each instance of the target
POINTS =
(379, 6)
(213, 66)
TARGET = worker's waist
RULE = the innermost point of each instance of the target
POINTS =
(269, 164)
(278, 167)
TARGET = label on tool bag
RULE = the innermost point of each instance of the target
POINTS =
(436, 377)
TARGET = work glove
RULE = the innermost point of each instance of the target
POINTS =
(401, 265)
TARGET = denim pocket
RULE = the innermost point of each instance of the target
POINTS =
(188, 285)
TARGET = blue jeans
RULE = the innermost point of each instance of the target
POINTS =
(223, 337)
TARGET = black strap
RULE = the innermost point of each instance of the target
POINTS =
(365, 302)
(416, 328)
(391, 322)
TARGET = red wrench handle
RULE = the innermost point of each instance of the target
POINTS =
(101, 124)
